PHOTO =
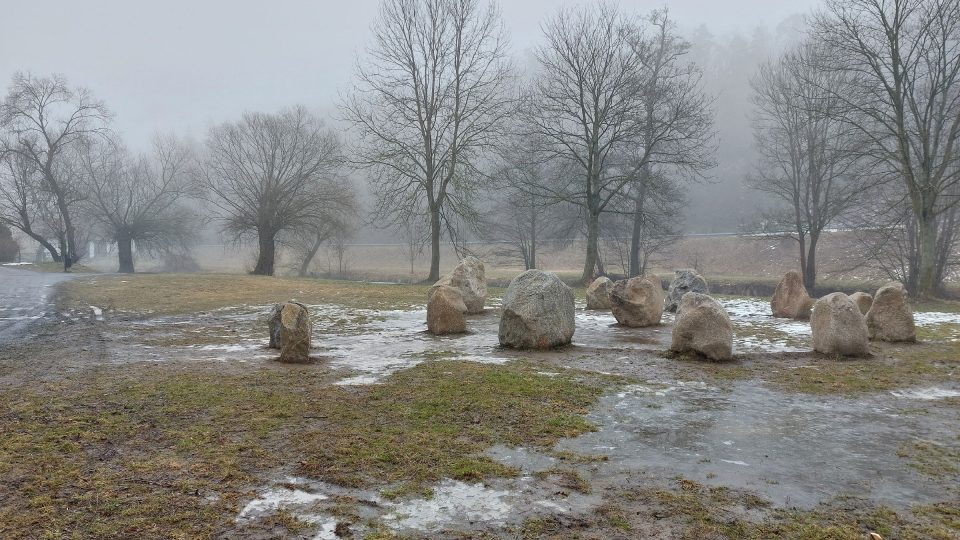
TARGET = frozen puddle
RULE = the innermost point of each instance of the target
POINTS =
(453, 505)
(452, 501)
(926, 393)
(277, 498)
(759, 439)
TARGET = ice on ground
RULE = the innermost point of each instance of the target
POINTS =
(452, 501)
(923, 318)
(97, 313)
(277, 498)
(926, 393)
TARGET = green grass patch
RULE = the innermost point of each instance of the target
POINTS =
(892, 366)
(173, 454)
(434, 421)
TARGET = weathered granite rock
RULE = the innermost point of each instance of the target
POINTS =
(445, 312)
(538, 312)
(637, 301)
(790, 299)
(295, 330)
(598, 293)
(468, 278)
(703, 327)
(684, 282)
(838, 326)
(862, 300)
(890, 317)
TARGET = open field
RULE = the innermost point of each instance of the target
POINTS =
(169, 419)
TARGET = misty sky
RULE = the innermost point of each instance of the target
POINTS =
(180, 65)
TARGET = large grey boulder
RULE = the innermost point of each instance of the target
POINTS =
(863, 301)
(890, 317)
(468, 278)
(598, 293)
(685, 281)
(838, 326)
(637, 301)
(702, 327)
(445, 312)
(273, 322)
(790, 299)
(538, 312)
(295, 330)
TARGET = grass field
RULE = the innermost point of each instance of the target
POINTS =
(175, 450)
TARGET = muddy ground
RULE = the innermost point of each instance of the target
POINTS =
(120, 422)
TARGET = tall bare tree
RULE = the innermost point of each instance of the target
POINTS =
(44, 119)
(611, 99)
(25, 205)
(903, 60)
(810, 158)
(269, 173)
(141, 201)
(676, 141)
(429, 103)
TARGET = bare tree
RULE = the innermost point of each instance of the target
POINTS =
(270, 173)
(335, 216)
(414, 240)
(25, 205)
(903, 61)
(428, 104)
(519, 220)
(44, 119)
(610, 100)
(141, 201)
(810, 158)
(677, 134)
(645, 222)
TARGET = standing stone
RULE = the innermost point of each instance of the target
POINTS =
(838, 326)
(862, 300)
(637, 301)
(598, 293)
(703, 327)
(538, 312)
(468, 278)
(890, 317)
(273, 323)
(295, 329)
(684, 282)
(445, 312)
(790, 299)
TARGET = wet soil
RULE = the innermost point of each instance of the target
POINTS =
(668, 419)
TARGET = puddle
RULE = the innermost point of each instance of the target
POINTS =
(453, 505)
(793, 449)
(452, 501)
(926, 393)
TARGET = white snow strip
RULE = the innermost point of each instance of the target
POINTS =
(926, 393)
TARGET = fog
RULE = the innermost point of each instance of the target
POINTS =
(180, 67)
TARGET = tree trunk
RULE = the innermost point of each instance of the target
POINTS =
(810, 268)
(266, 255)
(532, 263)
(927, 286)
(593, 234)
(635, 269)
(305, 264)
(125, 253)
(54, 253)
(434, 245)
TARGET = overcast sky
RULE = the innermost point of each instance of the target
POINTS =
(180, 65)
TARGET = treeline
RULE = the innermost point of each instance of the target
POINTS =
(600, 139)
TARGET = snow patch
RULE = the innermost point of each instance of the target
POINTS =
(452, 501)
(926, 393)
